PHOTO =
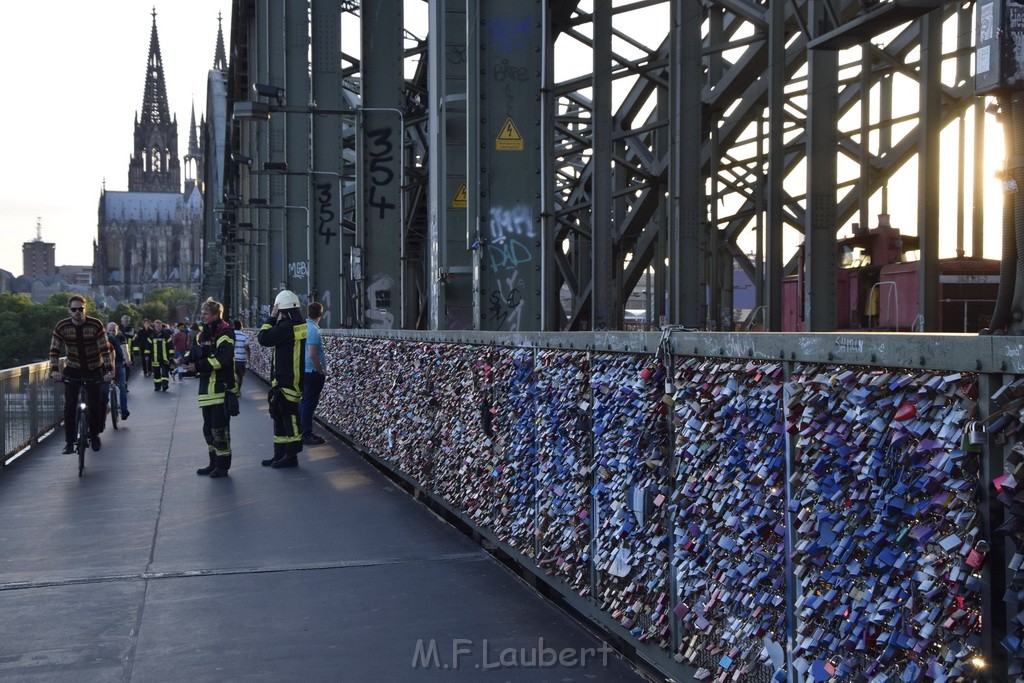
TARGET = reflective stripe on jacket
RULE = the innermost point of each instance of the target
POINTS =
(287, 362)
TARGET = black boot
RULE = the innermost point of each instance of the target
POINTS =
(278, 454)
(203, 471)
(286, 461)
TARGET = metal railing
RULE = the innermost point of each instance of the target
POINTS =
(30, 407)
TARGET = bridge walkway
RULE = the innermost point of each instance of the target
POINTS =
(141, 570)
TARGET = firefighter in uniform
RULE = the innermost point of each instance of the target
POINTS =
(285, 332)
(160, 356)
(213, 359)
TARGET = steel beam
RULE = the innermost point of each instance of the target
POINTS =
(505, 136)
(379, 153)
(328, 166)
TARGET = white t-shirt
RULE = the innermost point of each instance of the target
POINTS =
(241, 344)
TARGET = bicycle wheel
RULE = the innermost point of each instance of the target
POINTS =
(114, 408)
(83, 438)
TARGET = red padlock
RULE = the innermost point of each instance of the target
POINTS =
(975, 559)
(906, 411)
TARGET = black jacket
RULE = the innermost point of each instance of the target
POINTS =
(287, 336)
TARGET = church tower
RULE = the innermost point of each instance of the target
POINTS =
(154, 167)
(151, 236)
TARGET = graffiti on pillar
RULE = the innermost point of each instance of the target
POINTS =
(511, 34)
(511, 245)
(378, 303)
(298, 269)
(505, 304)
(511, 233)
(380, 151)
(326, 218)
(505, 70)
(456, 54)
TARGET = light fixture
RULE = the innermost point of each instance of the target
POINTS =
(257, 201)
(241, 159)
(266, 90)
(275, 166)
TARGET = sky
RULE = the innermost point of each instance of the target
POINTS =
(73, 74)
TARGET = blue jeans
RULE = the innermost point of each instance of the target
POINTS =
(121, 377)
(312, 385)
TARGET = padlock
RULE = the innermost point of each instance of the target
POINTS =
(974, 436)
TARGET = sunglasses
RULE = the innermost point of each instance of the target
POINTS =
(75, 309)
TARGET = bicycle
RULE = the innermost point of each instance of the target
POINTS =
(82, 432)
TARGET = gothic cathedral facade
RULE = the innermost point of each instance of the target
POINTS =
(151, 236)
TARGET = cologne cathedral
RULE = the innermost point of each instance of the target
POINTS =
(151, 235)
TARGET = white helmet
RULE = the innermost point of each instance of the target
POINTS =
(286, 299)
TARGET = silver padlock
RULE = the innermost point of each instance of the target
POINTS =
(976, 435)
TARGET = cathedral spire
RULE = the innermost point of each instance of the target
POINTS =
(155, 167)
(193, 139)
(154, 98)
(220, 60)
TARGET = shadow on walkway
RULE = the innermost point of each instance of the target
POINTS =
(141, 570)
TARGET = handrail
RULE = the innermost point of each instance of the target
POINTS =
(30, 407)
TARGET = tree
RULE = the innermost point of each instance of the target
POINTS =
(130, 310)
(176, 300)
(154, 310)
(26, 327)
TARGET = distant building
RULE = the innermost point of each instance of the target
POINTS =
(151, 236)
(37, 258)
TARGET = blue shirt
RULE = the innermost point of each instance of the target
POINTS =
(313, 339)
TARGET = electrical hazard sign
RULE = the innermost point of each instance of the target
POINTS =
(509, 139)
(459, 200)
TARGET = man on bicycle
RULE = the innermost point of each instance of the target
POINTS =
(120, 349)
(84, 339)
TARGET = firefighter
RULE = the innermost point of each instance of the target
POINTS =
(160, 356)
(212, 358)
(285, 332)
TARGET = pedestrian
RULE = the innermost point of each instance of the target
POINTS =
(241, 352)
(85, 343)
(143, 349)
(117, 344)
(315, 375)
(128, 333)
(285, 332)
(160, 356)
(211, 358)
(179, 341)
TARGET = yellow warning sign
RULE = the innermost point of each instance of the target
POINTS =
(509, 139)
(459, 200)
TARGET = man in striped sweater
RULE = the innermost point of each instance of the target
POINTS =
(84, 339)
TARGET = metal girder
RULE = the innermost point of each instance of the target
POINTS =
(617, 195)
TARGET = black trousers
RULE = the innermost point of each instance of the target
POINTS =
(94, 396)
(217, 432)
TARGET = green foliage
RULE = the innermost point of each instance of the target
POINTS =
(130, 310)
(155, 310)
(26, 327)
(174, 299)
